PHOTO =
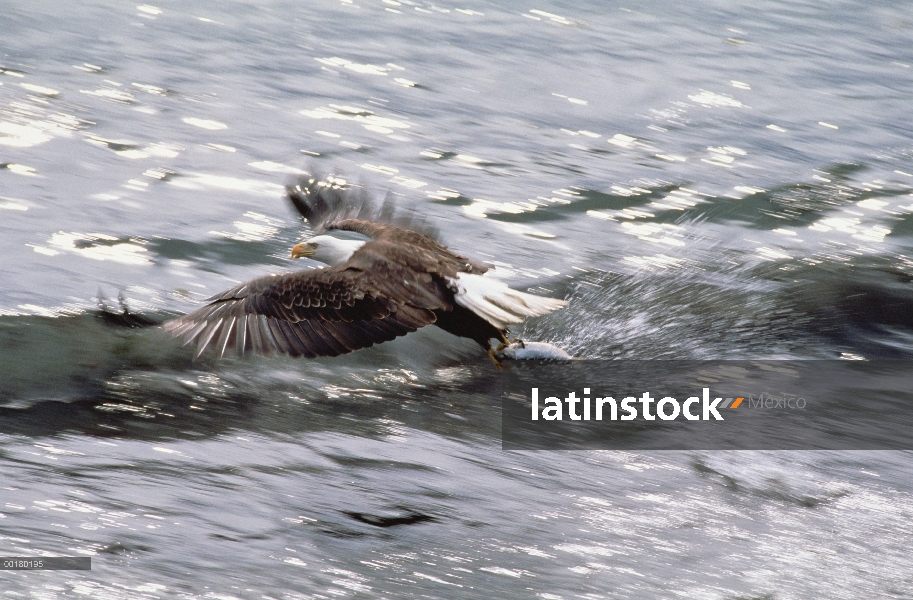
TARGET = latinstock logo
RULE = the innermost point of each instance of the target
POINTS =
(708, 405)
(608, 408)
(668, 408)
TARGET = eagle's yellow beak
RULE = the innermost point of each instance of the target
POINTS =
(302, 249)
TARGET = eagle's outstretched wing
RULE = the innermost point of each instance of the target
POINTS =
(324, 201)
(319, 312)
(331, 203)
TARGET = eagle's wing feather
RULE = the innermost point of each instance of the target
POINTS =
(372, 298)
(325, 201)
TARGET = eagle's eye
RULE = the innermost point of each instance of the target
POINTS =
(315, 244)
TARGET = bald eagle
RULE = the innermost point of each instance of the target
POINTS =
(395, 280)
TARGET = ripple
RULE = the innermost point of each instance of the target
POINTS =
(205, 123)
(21, 136)
(366, 118)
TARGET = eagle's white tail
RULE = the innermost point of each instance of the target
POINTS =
(492, 300)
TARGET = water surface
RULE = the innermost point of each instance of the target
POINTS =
(699, 180)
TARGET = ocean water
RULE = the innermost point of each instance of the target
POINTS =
(702, 180)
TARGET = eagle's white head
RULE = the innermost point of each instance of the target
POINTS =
(327, 249)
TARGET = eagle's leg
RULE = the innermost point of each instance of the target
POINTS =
(492, 355)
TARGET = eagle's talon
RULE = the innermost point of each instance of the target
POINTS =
(519, 341)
